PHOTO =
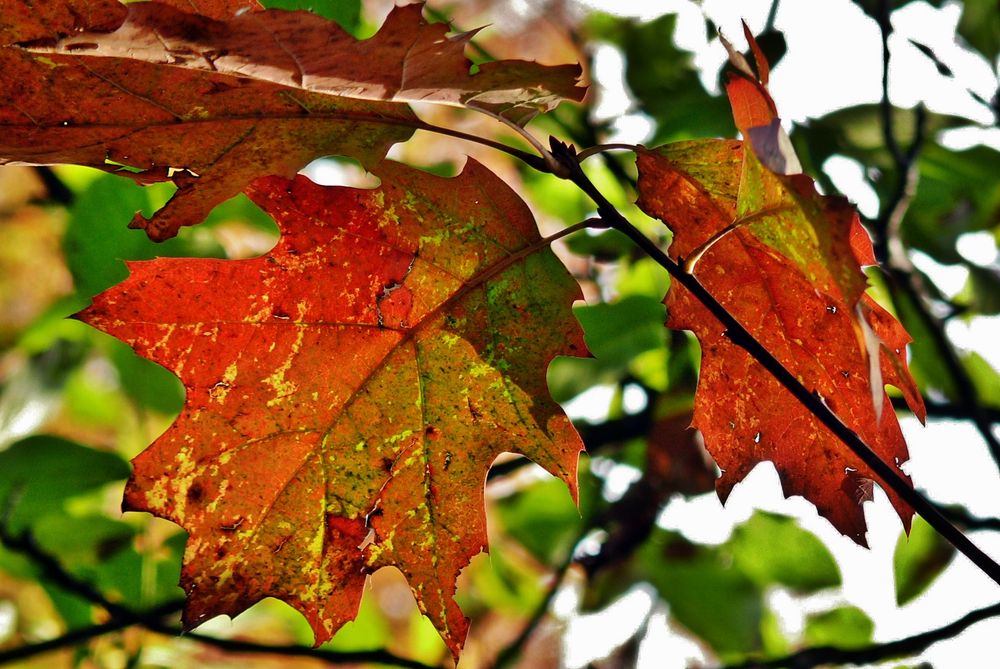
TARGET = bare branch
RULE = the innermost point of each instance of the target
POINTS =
(906, 647)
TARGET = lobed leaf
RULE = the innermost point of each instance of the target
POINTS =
(347, 392)
(785, 261)
(211, 104)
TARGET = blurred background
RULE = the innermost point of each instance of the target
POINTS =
(651, 570)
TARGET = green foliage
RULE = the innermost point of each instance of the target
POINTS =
(664, 80)
(40, 474)
(918, 560)
(844, 627)
(718, 592)
(772, 549)
(345, 12)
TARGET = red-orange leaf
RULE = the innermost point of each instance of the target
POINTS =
(347, 392)
(789, 272)
(786, 262)
(212, 104)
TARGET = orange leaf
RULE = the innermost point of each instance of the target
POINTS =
(347, 392)
(790, 275)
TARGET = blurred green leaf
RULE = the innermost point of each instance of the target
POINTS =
(706, 592)
(664, 81)
(919, 560)
(604, 245)
(717, 592)
(81, 542)
(958, 193)
(644, 277)
(98, 239)
(615, 345)
(927, 366)
(368, 631)
(92, 396)
(501, 584)
(773, 549)
(982, 293)
(774, 643)
(856, 133)
(145, 382)
(560, 199)
(985, 378)
(980, 27)
(844, 627)
(39, 474)
(347, 13)
(543, 519)
(615, 348)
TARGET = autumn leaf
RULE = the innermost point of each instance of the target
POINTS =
(347, 392)
(408, 60)
(211, 104)
(785, 261)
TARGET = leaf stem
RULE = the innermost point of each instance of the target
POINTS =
(739, 335)
(532, 160)
(551, 163)
(601, 148)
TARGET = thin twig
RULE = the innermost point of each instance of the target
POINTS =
(602, 148)
(876, 652)
(153, 619)
(551, 163)
(739, 336)
(772, 14)
(512, 651)
(890, 252)
(78, 636)
(885, 107)
(948, 410)
(291, 650)
(530, 159)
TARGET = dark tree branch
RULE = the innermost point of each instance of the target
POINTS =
(772, 14)
(596, 437)
(382, 657)
(512, 651)
(84, 634)
(54, 186)
(739, 335)
(948, 410)
(906, 647)
(961, 517)
(154, 619)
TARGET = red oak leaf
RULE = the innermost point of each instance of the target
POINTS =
(785, 261)
(347, 392)
(212, 104)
